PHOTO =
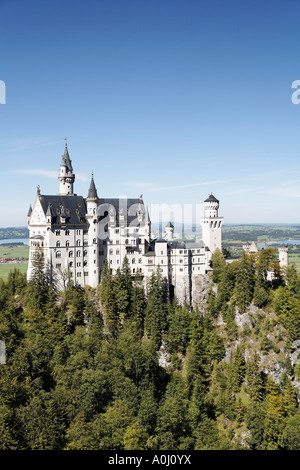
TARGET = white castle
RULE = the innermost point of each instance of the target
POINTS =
(78, 234)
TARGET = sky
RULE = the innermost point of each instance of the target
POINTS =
(171, 99)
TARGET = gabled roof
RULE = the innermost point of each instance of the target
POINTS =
(73, 208)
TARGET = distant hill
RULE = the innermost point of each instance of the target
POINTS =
(14, 232)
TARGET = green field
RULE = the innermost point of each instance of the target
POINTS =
(14, 252)
(6, 268)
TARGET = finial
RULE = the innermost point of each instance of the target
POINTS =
(38, 190)
(66, 141)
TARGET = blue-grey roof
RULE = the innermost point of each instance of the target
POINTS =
(211, 198)
(73, 208)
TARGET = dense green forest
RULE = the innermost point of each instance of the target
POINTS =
(110, 368)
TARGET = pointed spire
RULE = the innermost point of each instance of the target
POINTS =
(38, 190)
(65, 159)
(48, 213)
(29, 211)
(92, 194)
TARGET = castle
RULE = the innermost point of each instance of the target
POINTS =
(77, 235)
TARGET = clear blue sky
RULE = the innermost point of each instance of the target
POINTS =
(169, 98)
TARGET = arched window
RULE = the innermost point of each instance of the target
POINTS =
(58, 244)
(58, 254)
(78, 253)
(70, 254)
(67, 243)
(78, 243)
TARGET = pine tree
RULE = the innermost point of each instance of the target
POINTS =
(108, 301)
(218, 263)
(123, 290)
(244, 284)
(40, 282)
(155, 313)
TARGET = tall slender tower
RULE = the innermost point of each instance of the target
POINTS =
(93, 241)
(66, 176)
(212, 224)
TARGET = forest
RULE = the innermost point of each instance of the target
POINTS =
(118, 368)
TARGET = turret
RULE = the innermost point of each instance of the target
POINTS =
(93, 235)
(29, 213)
(212, 224)
(211, 206)
(169, 228)
(92, 198)
(66, 176)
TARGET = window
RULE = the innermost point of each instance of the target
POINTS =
(71, 264)
(85, 253)
(58, 244)
(58, 265)
(67, 243)
(70, 254)
(133, 260)
(57, 232)
(58, 254)
(67, 232)
(78, 274)
(78, 243)
(78, 253)
(78, 265)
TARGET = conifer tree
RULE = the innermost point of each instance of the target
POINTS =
(108, 301)
(39, 284)
(244, 284)
(123, 289)
(155, 313)
(218, 263)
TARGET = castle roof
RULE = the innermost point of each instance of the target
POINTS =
(211, 198)
(126, 207)
(73, 208)
(92, 194)
(65, 160)
(169, 225)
